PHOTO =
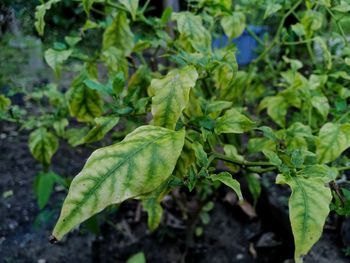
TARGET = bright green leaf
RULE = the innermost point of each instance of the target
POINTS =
(137, 258)
(271, 9)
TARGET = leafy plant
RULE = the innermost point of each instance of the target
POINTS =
(182, 106)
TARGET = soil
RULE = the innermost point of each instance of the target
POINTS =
(235, 233)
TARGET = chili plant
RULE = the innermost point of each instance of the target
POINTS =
(184, 106)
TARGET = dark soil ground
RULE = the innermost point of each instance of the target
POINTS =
(235, 233)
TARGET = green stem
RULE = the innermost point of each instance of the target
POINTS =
(343, 168)
(275, 40)
(338, 25)
(235, 161)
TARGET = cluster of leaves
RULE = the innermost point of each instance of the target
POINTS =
(184, 106)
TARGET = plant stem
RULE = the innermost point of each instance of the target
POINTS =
(275, 40)
(341, 31)
(344, 168)
(235, 161)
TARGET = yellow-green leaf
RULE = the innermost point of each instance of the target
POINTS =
(226, 178)
(191, 30)
(234, 24)
(308, 210)
(276, 108)
(119, 35)
(131, 5)
(85, 104)
(171, 95)
(40, 15)
(102, 126)
(43, 145)
(55, 59)
(332, 140)
(233, 122)
(4, 103)
(154, 211)
(135, 166)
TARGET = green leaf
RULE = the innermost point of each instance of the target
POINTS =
(276, 109)
(191, 30)
(40, 15)
(154, 211)
(44, 183)
(233, 122)
(87, 4)
(85, 104)
(231, 151)
(135, 166)
(332, 140)
(102, 126)
(131, 5)
(43, 145)
(137, 258)
(273, 157)
(55, 59)
(308, 210)
(171, 95)
(271, 9)
(4, 103)
(75, 136)
(343, 7)
(320, 103)
(226, 178)
(234, 24)
(254, 186)
(119, 35)
(166, 15)
(225, 77)
(201, 155)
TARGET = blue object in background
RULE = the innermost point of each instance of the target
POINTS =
(246, 44)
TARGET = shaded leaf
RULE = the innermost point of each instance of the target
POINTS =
(43, 144)
(40, 13)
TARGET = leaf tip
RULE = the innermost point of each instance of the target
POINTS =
(53, 240)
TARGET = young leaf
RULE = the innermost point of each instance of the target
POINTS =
(201, 155)
(154, 211)
(119, 35)
(233, 122)
(135, 166)
(171, 95)
(55, 59)
(43, 145)
(234, 24)
(131, 5)
(226, 178)
(332, 140)
(308, 210)
(40, 15)
(271, 9)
